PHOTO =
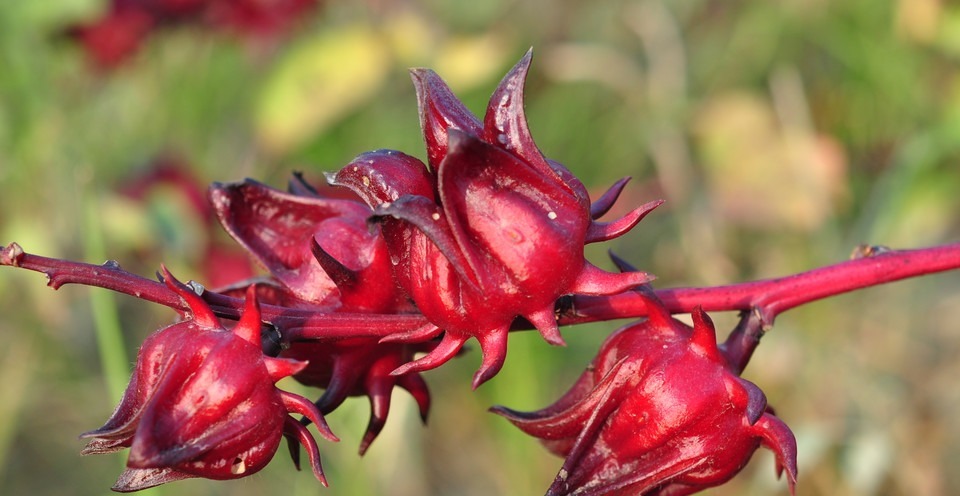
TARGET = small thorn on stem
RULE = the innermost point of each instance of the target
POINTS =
(11, 255)
(867, 251)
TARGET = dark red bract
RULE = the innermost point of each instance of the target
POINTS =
(657, 412)
(361, 367)
(202, 402)
(490, 230)
(320, 249)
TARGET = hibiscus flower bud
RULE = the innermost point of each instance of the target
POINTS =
(657, 412)
(202, 402)
(322, 255)
(490, 230)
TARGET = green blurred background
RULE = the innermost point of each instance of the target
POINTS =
(781, 133)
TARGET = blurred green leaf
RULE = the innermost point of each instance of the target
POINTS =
(318, 82)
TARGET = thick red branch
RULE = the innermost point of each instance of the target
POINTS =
(770, 297)
(765, 298)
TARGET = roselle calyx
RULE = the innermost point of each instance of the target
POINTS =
(202, 402)
(489, 230)
(323, 256)
(658, 412)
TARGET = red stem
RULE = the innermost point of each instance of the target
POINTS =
(294, 322)
(770, 297)
(765, 298)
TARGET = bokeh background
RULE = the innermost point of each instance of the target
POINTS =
(781, 133)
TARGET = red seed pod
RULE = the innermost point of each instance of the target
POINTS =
(322, 255)
(490, 230)
(657, 412)
(202, 402)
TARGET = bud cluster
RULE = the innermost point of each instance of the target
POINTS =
(392, 272)
(487, 233)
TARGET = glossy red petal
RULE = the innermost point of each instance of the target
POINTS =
(505, 123)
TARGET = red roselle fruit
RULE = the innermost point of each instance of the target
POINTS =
(202, 402)
(657, 412)
(490, 230)
(324, 256)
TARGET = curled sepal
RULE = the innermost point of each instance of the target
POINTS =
(200, 311)
(604, 231)
(593, 281)
(295, 403)
(777, 437)
(298, 432)
(449, 346)
(357, 367)
(603, 204)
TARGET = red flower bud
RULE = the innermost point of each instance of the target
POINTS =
(491, 231)
(325, 256)
(657, 412)
(202, 402)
